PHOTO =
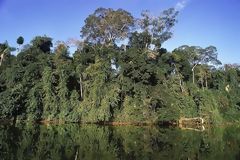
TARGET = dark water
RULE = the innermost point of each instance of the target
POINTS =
(70, 142)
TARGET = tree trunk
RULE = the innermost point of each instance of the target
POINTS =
(181, 86)
(81, 86)
(1, 58)
(193, 74)
(206, 83)
(202, 83)
(146, 45)
(125, 48)
(180, 79)
(76, 155)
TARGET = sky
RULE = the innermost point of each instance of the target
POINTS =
(200, 22)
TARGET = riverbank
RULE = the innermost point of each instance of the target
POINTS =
(182, 122)
(108, 123)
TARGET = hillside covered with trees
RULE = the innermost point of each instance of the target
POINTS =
(119, 72)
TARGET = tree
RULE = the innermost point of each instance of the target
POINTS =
(3, 51)
(61, 51)
(20, 40)
(197, 55)
(204, 73)
(101, 81)
(139, 40)
(44, 43)
(159, 28)
(106, 26)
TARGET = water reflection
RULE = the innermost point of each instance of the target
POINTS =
(69, 142)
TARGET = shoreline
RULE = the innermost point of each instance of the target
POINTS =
(172, 123)
(107, 123)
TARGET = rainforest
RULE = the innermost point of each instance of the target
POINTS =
(118, 73)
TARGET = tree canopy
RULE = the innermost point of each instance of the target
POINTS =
(106, 26)
(20, 40)
(104, 82)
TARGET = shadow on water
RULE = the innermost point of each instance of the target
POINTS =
(71, 141)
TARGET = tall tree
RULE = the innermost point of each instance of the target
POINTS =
(105, 26)
(197, 55)
(61, 50)
(3, 51)
(20, 41)
(44, 43)
(159, 28)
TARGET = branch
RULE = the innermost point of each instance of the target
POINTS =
(194, 66)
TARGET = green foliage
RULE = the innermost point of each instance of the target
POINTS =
(20, 40)
(44, 43)
(50, 101)
(35, 103)
(159, 28)
(102, 82)
(107, 25)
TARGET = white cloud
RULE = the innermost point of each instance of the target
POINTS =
(181, 5)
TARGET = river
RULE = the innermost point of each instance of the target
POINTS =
(93, 142)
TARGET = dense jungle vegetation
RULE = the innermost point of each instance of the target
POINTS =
(119, 72)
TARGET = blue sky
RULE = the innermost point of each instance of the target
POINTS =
(200, 22)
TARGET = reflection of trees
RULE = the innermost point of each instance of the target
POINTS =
(124, 142)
